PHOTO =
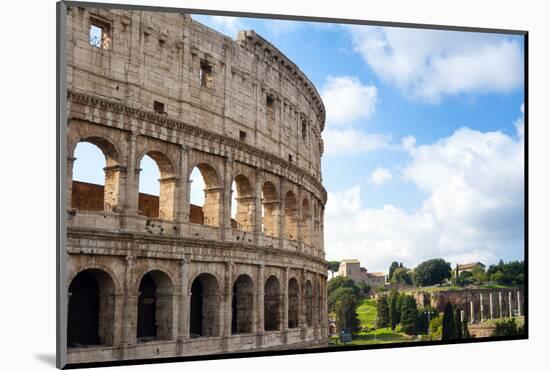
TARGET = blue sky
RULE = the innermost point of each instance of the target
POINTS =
(424, 138)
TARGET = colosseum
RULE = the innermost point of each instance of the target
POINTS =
(152, 276)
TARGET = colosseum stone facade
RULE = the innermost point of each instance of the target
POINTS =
(156, 276)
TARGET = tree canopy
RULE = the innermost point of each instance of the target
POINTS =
(431, 272)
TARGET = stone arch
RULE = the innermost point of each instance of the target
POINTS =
(270, 209)
(316, 224)
(242, 305)
(305, 222)
(205, 305)
(308, 293)
(163, 206)
(272, 304)
(91, 309)
(245, 204)
(97, 197)
(155, 306)
(291, 215)
(293, 303)
(209, 213)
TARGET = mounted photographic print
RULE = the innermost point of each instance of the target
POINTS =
(236, 185)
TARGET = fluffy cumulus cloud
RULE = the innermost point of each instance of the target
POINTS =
(347, 100)
(429, 64)
(473, 210)
(380, 176)
(227, 25)
(353, 141)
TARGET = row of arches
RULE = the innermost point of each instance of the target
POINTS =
(91, 307)
(93, 189)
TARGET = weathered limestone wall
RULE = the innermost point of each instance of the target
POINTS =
(254, 118)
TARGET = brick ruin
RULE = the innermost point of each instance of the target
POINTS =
(156, 276)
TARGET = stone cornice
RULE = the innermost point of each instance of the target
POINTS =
(162, 120)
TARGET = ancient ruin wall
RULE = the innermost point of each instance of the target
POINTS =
(163, 85)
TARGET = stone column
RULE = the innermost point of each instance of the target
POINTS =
(225, 209)
(284, 326)
(519, 303)
(481, 309)
(260, 304)
(461, 316)
(183, 211)
(491, 305)
(257, 220)
(184, 304)
(500, 305)
(130, 304)
(510, 303)
(228, 299)
(281, 214)
(472, 317)
(132, 178)
(70, 164)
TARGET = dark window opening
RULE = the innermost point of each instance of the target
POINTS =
(159, 107)
(270, 111)
(304, 130)
(83, 320)
(196, 309)
(147, 327)
(206, 75)
(100, 34)
(290, 158)
(242, 135)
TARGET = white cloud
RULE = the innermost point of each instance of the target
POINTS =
(429, 64)
(408, 142)
(380, 176)
(347, 100)
(473, 210)
(227, 25)
(352, 141)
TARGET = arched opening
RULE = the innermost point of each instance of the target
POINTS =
(270, 210)
(90, 318)
(291, 216)
(242, 305)
(157, 186)
(205, 305)
(242, 204)
(95, 176)
(154, 321)
(305, 222)
(205, 195)
(309, 304)
(293, 303)
(272, 304)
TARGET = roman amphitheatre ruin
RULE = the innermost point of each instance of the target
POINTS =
(155, 275)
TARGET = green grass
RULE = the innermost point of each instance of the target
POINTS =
(378, 336)
(366, 311)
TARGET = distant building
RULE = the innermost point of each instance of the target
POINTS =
(470, 266)
(352, 268)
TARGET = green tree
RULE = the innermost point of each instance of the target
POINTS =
(364, 288)
(395, 313)
(507, 328)
(382, 312)
(333, 266)
(401, 275)
(345, 309)
(458, 324)
(409, 314)
(479, 275)
(393, 266)
(435, 327)
(433, 271)
(511, 273)
(448, 330)
(334, 286)
(465, 278)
